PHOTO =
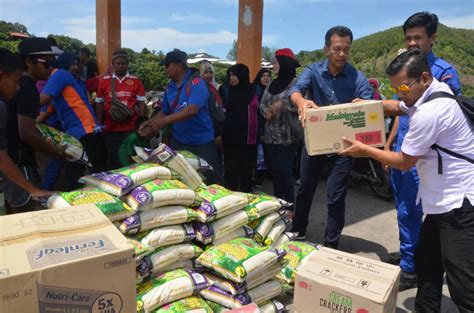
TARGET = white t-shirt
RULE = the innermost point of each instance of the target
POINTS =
(440, 121)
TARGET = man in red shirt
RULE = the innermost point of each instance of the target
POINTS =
(119, 106)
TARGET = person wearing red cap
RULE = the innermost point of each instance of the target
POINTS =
(328, 82)
(282, 130)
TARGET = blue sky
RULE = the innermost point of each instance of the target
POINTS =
(211, 25)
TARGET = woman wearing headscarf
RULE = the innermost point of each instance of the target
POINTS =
(207, 72)
(262, 80)
(240, 129)
(282, 128)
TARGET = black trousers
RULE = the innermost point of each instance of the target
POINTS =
(446, 245)
(239, 163)
(113, 141)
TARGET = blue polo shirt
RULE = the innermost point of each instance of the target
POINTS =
(444, 72)
(325, 89)
(198, 129)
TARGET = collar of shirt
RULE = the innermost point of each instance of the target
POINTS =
(120, 80)
(435, 86)
(185, 78)
(325, 68)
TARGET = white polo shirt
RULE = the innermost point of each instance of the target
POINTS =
(440, 121)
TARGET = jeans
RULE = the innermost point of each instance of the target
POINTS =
(446, 245)
(51, 173)
(409, 214)
(208, 152)
(281, 159)
(239, 164)
(339, 169)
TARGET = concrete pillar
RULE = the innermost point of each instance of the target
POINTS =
(108, 31)
(249, 42)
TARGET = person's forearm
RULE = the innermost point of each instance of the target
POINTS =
(392, 108)
(393, 133)
(142, 109)
(392, 159)
(99, 111)
(180, 116)
(296, 98)
(29, 135)
(10, 170)
(42, 117)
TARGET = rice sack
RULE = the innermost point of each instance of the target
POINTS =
(120, 181)
(159, 193)
(257, 295)
(207, 232)
(158, 217)
(168, 287)
(277, 229)
(241, 232)
(272, 306)
(265, 204)
(165, 257)
(167, 235)
(239, 258)
(216, 307)
(297, 254)
(185, 265)
(217, 202)
(199, 164)
(284, 238)
(166, 156)
(253, 281)
(74, 148)
(263, 226)
(112, 207)
(190, 304)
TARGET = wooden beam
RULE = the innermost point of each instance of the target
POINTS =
(108, 32)
(249, 42)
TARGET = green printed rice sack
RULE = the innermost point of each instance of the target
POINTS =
(167, 235)
(257, 295)
(216, 307)
(272, 306)
(217, 202)
(284, 238)
(199, 164)
(297, 254)
(158, 217)
(265, 204)
(159, 193)
(208, 232)
(253, 281)
(112, 207)
(191, 304)
(168, 157)
(59, 139)
(120, 181)
(265, 224)
(277, 229)
(168, 287)
(239, 258)
(165, 257)
(241, 232)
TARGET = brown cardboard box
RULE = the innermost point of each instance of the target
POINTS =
(325, 126)
(335, 281)
(65, 260)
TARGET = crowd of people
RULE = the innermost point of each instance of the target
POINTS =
(262, 129)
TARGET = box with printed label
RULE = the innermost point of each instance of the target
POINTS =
(65, 260)
(335, 281)
(326, 125)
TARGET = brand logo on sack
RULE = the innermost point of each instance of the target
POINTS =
(67, 249)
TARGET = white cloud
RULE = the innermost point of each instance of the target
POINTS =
(193, 18)
(459, 21)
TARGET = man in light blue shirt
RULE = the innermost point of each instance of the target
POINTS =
(329, 82)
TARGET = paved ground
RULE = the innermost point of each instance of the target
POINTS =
(371, 230)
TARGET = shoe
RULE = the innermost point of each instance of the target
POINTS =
(331, 245)
(301, 235)
(407, 281)
(394, 258)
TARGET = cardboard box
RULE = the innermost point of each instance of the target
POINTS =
(334, 281)
(65, 260)
(325, 126)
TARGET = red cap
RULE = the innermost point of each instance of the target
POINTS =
(287, 52)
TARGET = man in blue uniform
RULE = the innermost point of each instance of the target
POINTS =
(420, 33)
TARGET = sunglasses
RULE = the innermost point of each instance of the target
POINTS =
(403, 87)
(46, 63)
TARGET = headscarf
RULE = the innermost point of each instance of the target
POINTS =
(258, 78)
(65, 60)
(374, 83)
(285, 75)
(207, 65)
(242, 94)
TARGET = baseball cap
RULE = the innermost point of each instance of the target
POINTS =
(35, 46)
(287, 52)
(175, 56)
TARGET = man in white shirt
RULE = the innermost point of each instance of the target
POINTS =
(447, 235)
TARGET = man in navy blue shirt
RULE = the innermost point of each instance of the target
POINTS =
(185, 110)
(332, 81)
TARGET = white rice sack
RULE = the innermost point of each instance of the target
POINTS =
(120, 181)
(199, 164)
(284, 238)
(277, 229)
(253, 281)
(111, 206)
(265, 224)
(217, 202)
(265, 204)
(164, 257)
(239, 258)
(192, 304)
(168, 157)
(208, 232)
(158, 217)
(297, 254)
(272, 306)
(241, 232)
(185, 265)
(167, 235)
(159, 193)
(168, 287)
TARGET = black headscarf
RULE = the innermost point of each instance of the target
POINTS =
(242, 94)
(285, 75)
(258, 78)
